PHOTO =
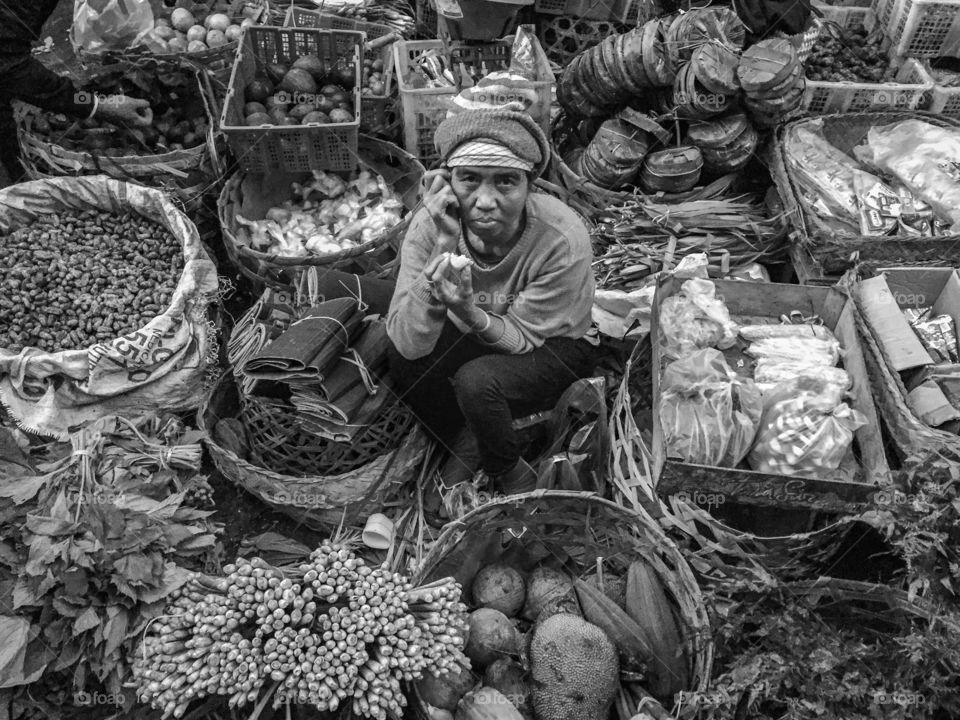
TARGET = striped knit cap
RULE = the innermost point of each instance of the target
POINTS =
(516, 131)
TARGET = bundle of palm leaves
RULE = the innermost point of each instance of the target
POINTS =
(644, 236)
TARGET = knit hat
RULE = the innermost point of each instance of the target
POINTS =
(516, 131)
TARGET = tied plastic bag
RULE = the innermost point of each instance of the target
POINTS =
(102, 25)
(924, 157)
(806, 428)
(695, 318)
(709, 415)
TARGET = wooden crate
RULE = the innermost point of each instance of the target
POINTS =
(752, 302)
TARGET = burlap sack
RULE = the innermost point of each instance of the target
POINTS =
(162, 366)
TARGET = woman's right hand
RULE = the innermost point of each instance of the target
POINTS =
(443, 206)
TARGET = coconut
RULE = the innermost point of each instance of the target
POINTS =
(498, 586)
(233, 33)
(197, 32)
(445, 691)
(543, 585)
(217, 21)
(216, 38)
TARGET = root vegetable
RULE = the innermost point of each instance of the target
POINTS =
(492, 636)
(496, 586)
(543, 585)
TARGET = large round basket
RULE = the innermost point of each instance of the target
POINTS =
(835, 251)
(323, 499)
(578, 530)
(188, 174)
(401, 171)
(217, 62)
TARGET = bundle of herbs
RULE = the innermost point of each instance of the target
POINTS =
(94, 537)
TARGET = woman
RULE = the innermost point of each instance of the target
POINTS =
(504, 336)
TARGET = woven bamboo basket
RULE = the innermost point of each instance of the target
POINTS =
(319, 501)
(187, 174)
(576, 529)
(399, 168)
(217, 61)
(835, 252)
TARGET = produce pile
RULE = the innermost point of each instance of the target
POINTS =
(96, 534)
(71, 280)
(305, 92)
(327, 215)
(851, 55)
(180, 119)
(550, 646)
(332, 632)
(180, 30)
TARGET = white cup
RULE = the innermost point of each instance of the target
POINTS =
(378, 532)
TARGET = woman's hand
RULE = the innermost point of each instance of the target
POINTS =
(452, 287)
(127, 111)
(443, 207)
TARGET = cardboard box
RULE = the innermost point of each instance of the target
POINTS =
(883, 300)
(750, 303)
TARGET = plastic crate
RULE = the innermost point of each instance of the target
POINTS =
(925, 28)
(562, 38)
(425, 108)
(945, 101)
(609, 10)
(910, 90)
(294, 148)
(375, 109)
(849, 17)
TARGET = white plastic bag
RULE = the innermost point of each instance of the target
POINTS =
(102, 25)
(695, 318)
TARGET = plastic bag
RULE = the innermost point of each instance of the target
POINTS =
(102, 25)
(806, 428)
(709, 415)
(924, 157)
(825, 177)
(695, 318)
(162, 366)
(805, 350)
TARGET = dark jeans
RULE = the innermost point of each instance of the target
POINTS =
(463, 381)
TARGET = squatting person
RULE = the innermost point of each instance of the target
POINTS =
(504, 336)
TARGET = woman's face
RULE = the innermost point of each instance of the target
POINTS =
(491, 200)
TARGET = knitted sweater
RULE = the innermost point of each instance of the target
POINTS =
(543, 288)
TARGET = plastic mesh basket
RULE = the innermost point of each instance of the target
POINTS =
(294, 148)
(564, 37)
(945, 101)
(910, 90)
(425, 108)
(923, 28)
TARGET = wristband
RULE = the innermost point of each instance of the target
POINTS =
(485, 327)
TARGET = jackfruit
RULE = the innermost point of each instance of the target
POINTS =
(574, 668)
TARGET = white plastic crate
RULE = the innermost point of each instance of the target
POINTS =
(910, 90)
(923, 28)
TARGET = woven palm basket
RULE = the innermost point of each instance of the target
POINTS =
(401, 171)
(836, 251)
(325, 498)
(580, 531)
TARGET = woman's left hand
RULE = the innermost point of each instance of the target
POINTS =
(452, 287)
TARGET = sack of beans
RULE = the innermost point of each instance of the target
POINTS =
(105, 289)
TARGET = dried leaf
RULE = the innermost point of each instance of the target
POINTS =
(21, 489)
(136, 569)
(41, 525)
(115, 629)
(87, 620)
(14, 635)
